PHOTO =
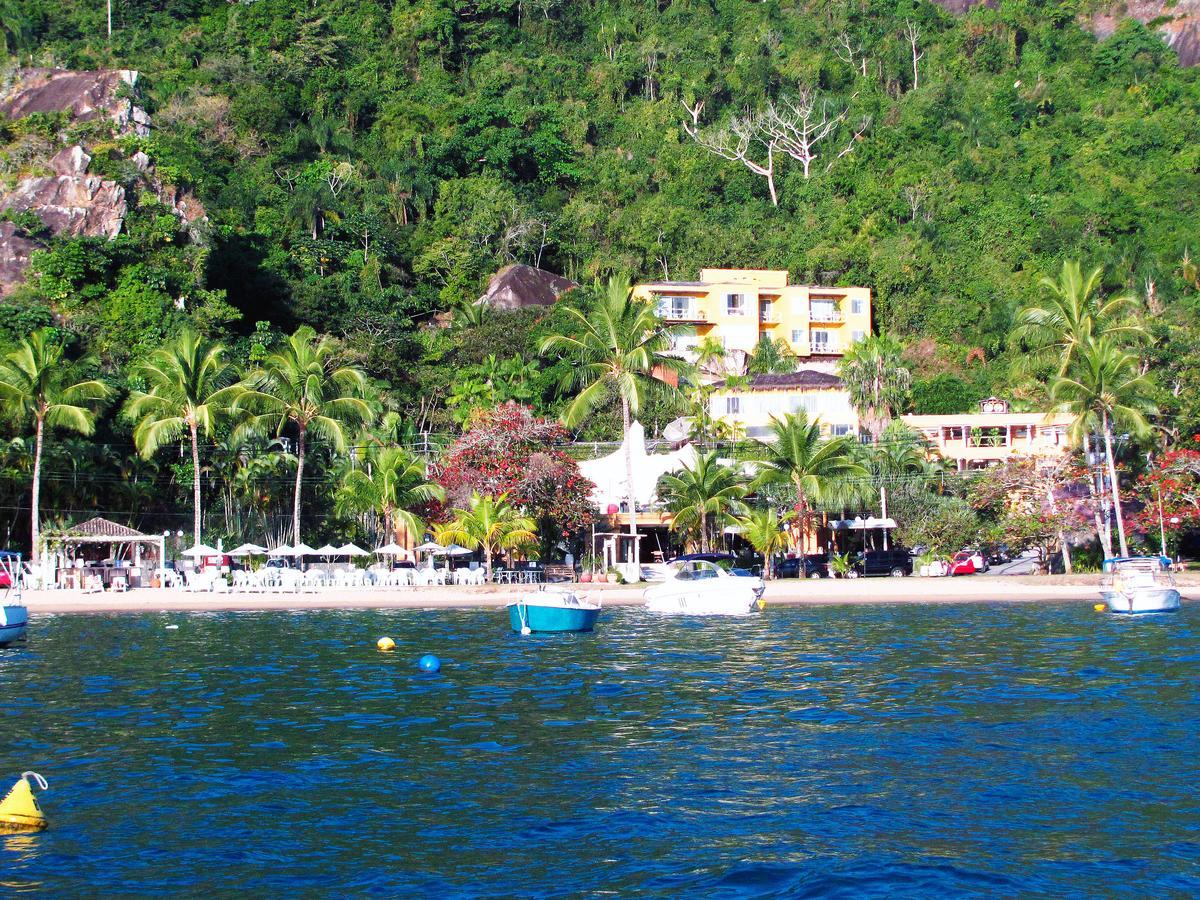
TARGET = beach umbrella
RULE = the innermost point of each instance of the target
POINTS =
(327, 550)
(455, 550)
(352, 550)
(303, 549)
(281, 550)
(429, 547)
(248, 550)
(201, 550)
(392, 549)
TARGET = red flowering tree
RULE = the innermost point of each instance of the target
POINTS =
(1171, 489)
(508, 450)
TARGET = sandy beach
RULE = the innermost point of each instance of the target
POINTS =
(1011, 589)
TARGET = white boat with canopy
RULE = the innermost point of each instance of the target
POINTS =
(1139, 584)
(701, 588)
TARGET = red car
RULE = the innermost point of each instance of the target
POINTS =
(963, 563)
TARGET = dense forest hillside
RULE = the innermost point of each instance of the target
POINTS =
(366, 165)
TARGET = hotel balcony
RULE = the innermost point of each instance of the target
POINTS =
(830, 316)
(823, 347)
(681, 314)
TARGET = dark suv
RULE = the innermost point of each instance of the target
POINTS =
(882, 562)
(815, 565)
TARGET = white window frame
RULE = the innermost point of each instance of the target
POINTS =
(856, 306)
(740, 309)
(733, 406)
(797, 335)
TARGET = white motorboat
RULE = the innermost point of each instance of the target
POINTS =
(702, 588)
(1138, 584)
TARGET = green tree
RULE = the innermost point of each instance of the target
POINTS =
(1105, 387)
(875, 376)
(391, 481)
(304, 384)
(617, 347)
(765, 531)
(894, 459)
(37, 383)
(703, 497)
(771, 356)
(1069, 316)
(190, 388)
(796, 454)
(491, 523)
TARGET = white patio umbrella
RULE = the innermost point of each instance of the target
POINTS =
(328, 550)
(248, 550)
(201, 550)
(429, 547)
(281, 550)
(302, 549)
(392, 549)
(352, 550)
(455, 550)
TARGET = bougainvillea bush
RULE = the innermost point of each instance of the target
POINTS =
(510, 450)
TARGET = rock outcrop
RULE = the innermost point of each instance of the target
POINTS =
(1178, 21)
(71, 202)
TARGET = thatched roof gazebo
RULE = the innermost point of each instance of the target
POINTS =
(126, 548)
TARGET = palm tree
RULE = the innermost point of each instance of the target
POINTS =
(1105, 387)
(391, 482)
(615, 348)
(35, 383)
(192, 389)
(704, 495)
(816, 469)
(899, 453)
(764, 529)
(1068, 316)
(491, 523)
(303, 384)
(876, 379)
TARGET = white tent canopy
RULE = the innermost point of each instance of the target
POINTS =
(351, 550)
(860, 524)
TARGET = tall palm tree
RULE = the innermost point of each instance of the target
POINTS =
(390, 481)
(1069, 315)
(1103, 388)
(875, 377)
(764, 529)
(617, 347)
(817, 469)
(190, 388)
(304, 384)
(491, 523)
(898, 454)
(702, 496)
(36, 383)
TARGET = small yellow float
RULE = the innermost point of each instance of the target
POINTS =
(19, 810)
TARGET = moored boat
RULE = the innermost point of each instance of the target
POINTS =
(1138, 584)
(552, 609)
(14, 617)
(13, 621)
(702, 588)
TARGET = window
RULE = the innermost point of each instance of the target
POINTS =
(856, 336)
(952, 433)
(1020, 432)
(767, 311)
(820, 339)
(856, 307)
(733, 405)
(735, 304)
(841, 430)
(797, 336)
(823, 311)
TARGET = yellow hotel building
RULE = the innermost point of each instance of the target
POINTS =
(740, 307)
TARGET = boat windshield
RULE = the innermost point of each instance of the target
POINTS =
(695, 570)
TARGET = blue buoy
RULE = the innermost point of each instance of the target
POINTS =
(429, 663)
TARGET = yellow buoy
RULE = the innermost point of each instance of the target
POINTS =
(762, 604)
(385, 644)
(1100, 607)
(19, 810)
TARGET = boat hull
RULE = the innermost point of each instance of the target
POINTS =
(741, 602)
(13, 622)
(550, 619)
(1148, 600)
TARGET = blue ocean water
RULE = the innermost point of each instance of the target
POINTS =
(982, 749)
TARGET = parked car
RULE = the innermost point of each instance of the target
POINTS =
(979, 558)
(963, 563)
(815, 565)
(895, 562)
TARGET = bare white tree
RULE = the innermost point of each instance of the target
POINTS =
(915, 196)
(800, 124)
(694, 111)
(851, 53)
(736, 142)
(853, 141)
(913, 34)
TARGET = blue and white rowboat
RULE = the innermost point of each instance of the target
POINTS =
(13, 622)
(552, 610)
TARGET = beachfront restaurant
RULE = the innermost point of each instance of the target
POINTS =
(101, 555)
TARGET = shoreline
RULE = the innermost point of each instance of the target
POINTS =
(791, 592)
